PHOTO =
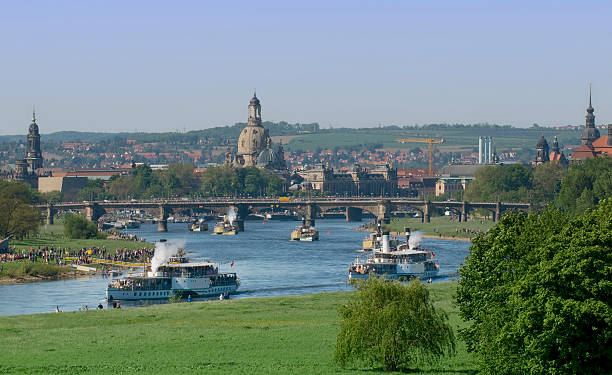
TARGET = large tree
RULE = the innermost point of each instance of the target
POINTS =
(393, 325)
(510, 183)
(17, 217)
(537, 293)
(586, 184)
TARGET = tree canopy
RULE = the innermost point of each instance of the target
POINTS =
(585, 185)
(175, 181)
(77, 226)
(249, 181)
(507, 183)
(17, 217)
(393, 325)
(537, 292)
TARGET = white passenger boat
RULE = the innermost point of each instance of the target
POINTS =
(199, 279)
(395, 263)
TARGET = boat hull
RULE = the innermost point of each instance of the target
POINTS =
(136, 295)
(394, 276)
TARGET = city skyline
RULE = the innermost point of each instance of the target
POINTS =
(151, 67)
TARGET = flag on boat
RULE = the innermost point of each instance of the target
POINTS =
(232, 265)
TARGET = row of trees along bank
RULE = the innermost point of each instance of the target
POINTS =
(574, 190)
(179, 180)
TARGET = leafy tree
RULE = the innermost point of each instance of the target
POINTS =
(275, 186)
(93, 191)
(52, 197)
(217, 181)
(510, 183)
(586, 184)
(547, 182)
(394, 325)
(77, 226)
(537, 293)
(120, 187)
(17, 217)
(180, 180)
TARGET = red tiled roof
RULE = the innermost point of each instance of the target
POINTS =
(583, 152)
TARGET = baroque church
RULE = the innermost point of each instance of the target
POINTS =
(255, 147)
(593, 144)
(31, 167)
(543, 155)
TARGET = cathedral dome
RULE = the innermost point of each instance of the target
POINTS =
(266, 157)
(542, 142)
(252, 140)
(254, 100)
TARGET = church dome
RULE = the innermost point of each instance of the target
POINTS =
(254, 100)
(252, 140)
(542, 142)
(33, 128)
(266, 157)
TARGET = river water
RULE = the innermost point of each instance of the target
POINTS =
(267, 263)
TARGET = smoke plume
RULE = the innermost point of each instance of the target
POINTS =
(415, 240)
(231, 215)
(163, 252)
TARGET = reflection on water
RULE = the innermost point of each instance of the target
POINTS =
(267, 263)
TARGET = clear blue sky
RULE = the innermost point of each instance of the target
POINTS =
(168, 65)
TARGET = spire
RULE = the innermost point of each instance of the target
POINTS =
(590, 106)
(555, 147)
(33, 115)
(254, 92)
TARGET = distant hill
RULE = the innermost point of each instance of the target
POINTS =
(225, 132)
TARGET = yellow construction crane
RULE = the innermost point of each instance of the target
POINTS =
(423, 140)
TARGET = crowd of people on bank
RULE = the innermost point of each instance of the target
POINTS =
(67, 255)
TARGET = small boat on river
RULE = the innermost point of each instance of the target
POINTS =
(198, 225)
(305, 233)
(374, 240)
(225, 227)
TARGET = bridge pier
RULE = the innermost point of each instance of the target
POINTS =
(242, 211)
(93, 211)
(311, 213)
(50, 213)
(427, 212)
(162, 222)
(497, 213)
(464, 211)
(354, 214)
(384, 211)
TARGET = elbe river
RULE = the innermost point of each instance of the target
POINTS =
(267, 263)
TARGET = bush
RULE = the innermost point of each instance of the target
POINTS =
(537, 292)
(393, 325)
(78, 227)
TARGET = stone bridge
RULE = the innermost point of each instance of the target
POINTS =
(309, 208)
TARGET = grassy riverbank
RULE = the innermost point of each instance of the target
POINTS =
(441, 226)
(281, 335)
(53, 236)
(26, 271)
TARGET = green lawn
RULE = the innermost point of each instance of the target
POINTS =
(53, 235)
(441, 225)
(281, 335)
